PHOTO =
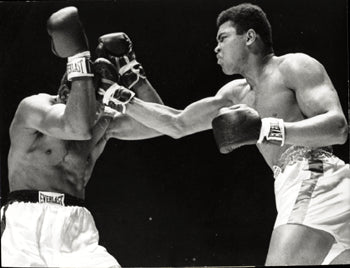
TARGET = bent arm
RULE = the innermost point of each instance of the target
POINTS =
(325, 124)
(80, 111)
(42, 113)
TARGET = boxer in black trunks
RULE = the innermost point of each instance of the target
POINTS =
(55, 143)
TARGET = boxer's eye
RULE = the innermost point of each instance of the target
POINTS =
(221, 38)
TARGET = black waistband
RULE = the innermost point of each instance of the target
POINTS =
(34, 196)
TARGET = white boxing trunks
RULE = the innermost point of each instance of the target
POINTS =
(312, 188)
(44, 229)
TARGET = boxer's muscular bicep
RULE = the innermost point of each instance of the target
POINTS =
(198, 116)
(314, 90)
(317, 100)
(38, 112)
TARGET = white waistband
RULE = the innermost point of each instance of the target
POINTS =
(297, 153)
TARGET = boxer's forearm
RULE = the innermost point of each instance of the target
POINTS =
(158, 117)
(127, 128)
(194, 118)
(322, 130)
(172, 122)
(80, 111)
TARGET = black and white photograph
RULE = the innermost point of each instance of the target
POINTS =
(174, 133)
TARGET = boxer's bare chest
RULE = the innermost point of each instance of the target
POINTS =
(56, 164)
(271, 98)
(74, 155)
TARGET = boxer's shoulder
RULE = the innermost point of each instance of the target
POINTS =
(295, 61)
(30, 110)
(236, 90)
(37, 100)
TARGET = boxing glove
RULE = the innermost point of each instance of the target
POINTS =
(118, 48)
(241, 125)
(105, 75)
(68, 40)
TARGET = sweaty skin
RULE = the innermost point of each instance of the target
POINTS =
(293, 87)
(42, 159)
(51, 164)
(274, 97)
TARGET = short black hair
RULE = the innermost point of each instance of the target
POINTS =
(248, 16)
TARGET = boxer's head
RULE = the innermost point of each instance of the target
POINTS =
(247, 16)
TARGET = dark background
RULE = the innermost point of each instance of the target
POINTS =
(166, 202)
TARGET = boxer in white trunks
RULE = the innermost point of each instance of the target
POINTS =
(288, 106)
(55, 143)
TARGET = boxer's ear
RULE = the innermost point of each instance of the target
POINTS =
(250, 37)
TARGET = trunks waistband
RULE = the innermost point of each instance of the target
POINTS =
(34, 196)
(300, 153)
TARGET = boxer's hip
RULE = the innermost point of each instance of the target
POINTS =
(312, 188)
(42, 227)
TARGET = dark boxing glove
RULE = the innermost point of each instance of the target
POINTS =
(68, 40)
(117, 47)
(105, 75)
(240, 125)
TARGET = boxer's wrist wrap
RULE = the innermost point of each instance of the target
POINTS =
(132, 72)
(272, 130)
(79, 65)
(117, 97)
